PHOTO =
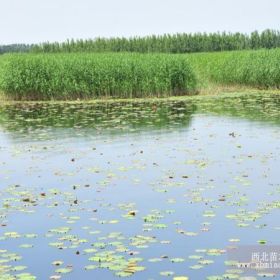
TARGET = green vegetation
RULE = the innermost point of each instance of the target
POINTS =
(67, 76)
(130, 75)
(15, 48)
(167, 43)
(257, 69)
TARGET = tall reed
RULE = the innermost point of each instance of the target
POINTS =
(67, 76)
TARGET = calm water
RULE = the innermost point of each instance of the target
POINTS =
(140, 190)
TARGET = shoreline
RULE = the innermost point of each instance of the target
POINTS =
(211, 92)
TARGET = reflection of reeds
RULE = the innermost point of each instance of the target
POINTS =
(114, 118)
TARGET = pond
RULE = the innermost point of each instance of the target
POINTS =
(146, 190)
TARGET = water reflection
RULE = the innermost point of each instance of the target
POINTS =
(86, 118)
(29, 119)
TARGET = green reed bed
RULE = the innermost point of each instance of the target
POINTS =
(68, 76)
(130, 75)
(258, 69)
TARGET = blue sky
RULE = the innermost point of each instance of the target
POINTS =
(31, 21)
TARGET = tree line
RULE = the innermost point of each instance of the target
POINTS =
(177, 43)
(167, 43)
(15, 48)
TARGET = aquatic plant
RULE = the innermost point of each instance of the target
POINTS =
(67, 76)
(258, 69)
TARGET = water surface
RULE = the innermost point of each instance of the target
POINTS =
(146, 190)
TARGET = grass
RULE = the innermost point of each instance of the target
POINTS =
(238, 70)
(90, 76)
(128, 75)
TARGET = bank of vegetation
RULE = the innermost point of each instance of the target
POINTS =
(167, 43)
(133, 75)
(69, 76)
(256, 69)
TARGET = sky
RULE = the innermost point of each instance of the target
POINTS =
(33, 21)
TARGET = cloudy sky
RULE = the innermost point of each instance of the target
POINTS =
(31, 21)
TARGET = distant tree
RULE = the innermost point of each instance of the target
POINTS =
(15, 48)
(166, 43)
